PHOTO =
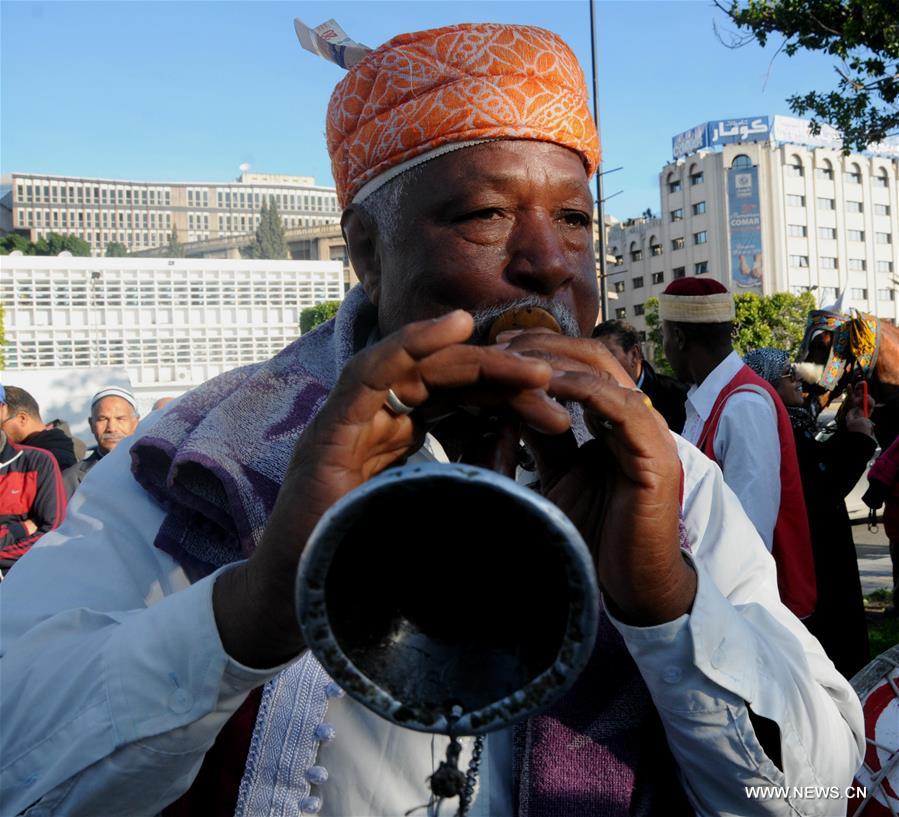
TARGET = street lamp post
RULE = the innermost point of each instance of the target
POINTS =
(603, 296)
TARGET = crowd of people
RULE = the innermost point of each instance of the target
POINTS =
(43, 463)
(152, 658)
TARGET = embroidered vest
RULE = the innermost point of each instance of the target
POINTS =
(792, 549)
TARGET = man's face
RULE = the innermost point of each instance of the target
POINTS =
(15, 424)
(630, 361)
(112, 419)
(491, 224)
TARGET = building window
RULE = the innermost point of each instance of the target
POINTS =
(827, 262)
(658, 277)
(699, 208)
(827, 232)
(825, 173)
(881, 180)
(825, 203)
(655, 249)
(701, 237)
(677, 243)
(854, 207)
(857, 264)
(619, 287)
(856, 235)
(680, 272)
(701, 268)
(678, 214)
(637, 283)
(798, 260)
(621, 312)
(797, 230)
(859, 293)
(883, 238)
(884, 266)
(881, 209)
(674, 187)
(697, 178)
(638, 309)
(828, 295)
(636, 255)
(794, 169)
(853, 175)
(795, 201)
(741, 161)
(886, 294)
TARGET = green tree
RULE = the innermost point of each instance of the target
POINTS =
(174, 249)
(862, 34)
(312, 316)
(269, 241)
(116, 249)
(55, 243)
(13, 241)
(776, 320)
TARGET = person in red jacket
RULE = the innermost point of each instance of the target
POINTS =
(32, 499)
(883, 488)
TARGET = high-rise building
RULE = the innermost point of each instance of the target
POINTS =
(765, 206)
(142, 215)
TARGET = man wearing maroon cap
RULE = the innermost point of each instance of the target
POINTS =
(735, 418)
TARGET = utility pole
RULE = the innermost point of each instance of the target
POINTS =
(600, 214)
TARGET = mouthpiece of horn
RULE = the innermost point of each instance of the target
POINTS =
(527, 318)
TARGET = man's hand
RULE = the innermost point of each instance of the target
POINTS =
(354, 437)
(622, 489)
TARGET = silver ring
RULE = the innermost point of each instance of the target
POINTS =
(396, 406)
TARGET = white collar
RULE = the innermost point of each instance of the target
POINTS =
(703, 396)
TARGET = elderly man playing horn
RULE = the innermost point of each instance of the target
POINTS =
(137, 637)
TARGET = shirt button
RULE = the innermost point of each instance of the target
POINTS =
(325, 732)
(316, 775)
(310, 805)
(333, 690)
(671, 675)
(180, 701)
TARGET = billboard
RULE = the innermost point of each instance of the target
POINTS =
(721, 132)
(728, 131)
(745, 226)
(689, 141)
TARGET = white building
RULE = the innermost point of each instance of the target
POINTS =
(764, 206)
(171, 323)
(142, 215)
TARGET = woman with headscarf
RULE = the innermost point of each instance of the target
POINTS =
(829, 470)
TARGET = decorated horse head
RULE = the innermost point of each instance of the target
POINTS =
(839, 350)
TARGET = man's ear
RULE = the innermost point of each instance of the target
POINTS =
(361, 238)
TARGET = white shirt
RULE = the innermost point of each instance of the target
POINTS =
(746, 444)
(115, 681)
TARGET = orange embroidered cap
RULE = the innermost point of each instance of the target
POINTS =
(429, 92)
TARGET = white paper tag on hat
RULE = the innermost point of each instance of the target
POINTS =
(330, 41)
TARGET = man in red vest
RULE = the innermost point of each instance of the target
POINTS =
(735, 418)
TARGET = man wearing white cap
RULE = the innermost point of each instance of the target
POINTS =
(113, 417)
(737, 420)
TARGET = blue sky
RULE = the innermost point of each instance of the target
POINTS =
(175, 91)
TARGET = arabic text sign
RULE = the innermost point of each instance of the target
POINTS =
(745, 222)
(728, 131)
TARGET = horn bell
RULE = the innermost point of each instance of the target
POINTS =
(448, 598)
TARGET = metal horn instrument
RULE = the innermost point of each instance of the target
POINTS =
(449, 598)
